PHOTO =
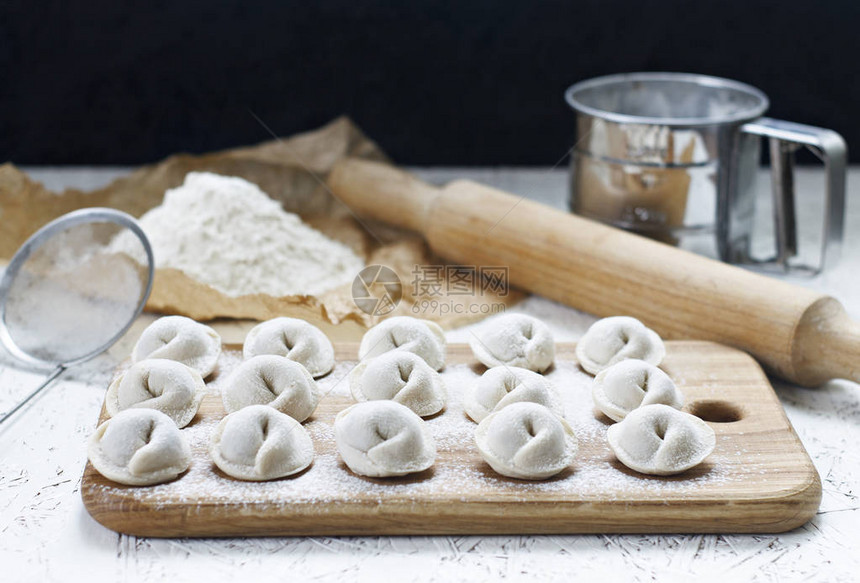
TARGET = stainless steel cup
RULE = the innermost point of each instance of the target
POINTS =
(672, 154)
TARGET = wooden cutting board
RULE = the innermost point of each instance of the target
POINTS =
(758, 479)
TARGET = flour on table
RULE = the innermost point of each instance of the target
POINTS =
(226, 232)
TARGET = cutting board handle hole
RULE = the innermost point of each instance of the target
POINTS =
(716, 411)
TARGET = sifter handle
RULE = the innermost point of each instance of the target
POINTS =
(54, 374)
(785, 137)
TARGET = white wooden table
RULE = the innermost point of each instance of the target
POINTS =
(47, 535)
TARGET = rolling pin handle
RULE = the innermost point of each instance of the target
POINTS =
(827, 346)
(382, 192)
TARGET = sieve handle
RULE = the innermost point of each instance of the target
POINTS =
(54, 374)
(785, 138)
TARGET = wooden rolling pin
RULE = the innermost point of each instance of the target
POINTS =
(801, 335)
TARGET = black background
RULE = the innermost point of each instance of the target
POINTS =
(453, 83)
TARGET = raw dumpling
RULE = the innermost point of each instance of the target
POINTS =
(295, 339)
(612, 340)
(421, 337)
(629, 384)
(500, 386)
(514, 340)
(139, 447)
(275, 381)
(181, 339)
(402, 377)
(660, 440)
(526, 441)
(383, 438)
(260, 443)
(164, 385)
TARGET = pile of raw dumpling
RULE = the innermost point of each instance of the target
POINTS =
(396, 383)
(521, 430)
(266, 398)
(521, 433)
(652, 436)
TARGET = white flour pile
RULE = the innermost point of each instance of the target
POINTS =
(226, 232)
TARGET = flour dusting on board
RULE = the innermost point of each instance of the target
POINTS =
(459, 472)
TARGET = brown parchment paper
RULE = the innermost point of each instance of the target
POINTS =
(291, 170)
